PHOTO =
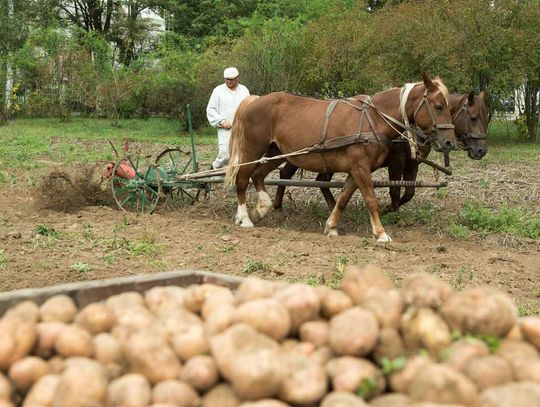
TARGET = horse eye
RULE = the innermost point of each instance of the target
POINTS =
(438, 106)
(473, 118)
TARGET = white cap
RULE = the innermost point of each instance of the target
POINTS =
(230, 73)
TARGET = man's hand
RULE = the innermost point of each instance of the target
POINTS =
(226, 124)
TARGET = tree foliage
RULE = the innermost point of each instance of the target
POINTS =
(102, 57)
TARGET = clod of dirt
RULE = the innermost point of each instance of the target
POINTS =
(68, 189)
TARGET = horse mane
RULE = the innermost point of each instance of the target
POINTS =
(442, 87)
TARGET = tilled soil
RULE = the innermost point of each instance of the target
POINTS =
(66, 229)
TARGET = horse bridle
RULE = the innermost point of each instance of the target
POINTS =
(469, 133)
(435, 127)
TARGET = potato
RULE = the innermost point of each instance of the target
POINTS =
(352, 374)
(387, 306)
(488, 371)
(316, 332)
(171, 320)
(58, 308)
(47, 332)
(26, 310)
(196, 295)
(265, 403)
(322, 355)
(150, 355)
(253, 288)
(513, 350)
(524, 394)
(301, 301)
(333, 302)
(5, 388)
(530, 326)
(56, 364)
(249, 361)
(175, 392)
(164, 297)
(389, 345)
(295, 346)
(135, 318)
(391, 400)
(424, 328)
(74, 341)
(17, 339)
(42, 392)
(462, 351)
(124, 300)
(200, 372)
(304, 380)
(221, 395)
(442, 384)
(96, 318)
(425, 290)
(26, 371)
(131, 390)
(107, 349)
(266, 315)
(189, 341)
(219, 319)
(515, 333)
(498, 313)
(353, 332)
(82, 383)
(400, 381)
(357, 281)
(526, 370)
(219, 297)
(342, 399)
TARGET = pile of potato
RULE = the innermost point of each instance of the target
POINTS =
(271, 344)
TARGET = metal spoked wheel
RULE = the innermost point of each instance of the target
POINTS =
(175, 162)
(135, 185)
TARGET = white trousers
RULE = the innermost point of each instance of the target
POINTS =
(222, 158)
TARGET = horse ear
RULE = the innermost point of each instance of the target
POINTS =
(428, 82)
(470, 98)
(482, 95)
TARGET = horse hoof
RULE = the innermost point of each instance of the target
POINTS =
(254, 216)
(384, 238)
(246, 224)
(332, 233)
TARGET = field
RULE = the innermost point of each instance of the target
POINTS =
(484, 228)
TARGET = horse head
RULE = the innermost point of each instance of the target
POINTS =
(471, 121)
(427, 106)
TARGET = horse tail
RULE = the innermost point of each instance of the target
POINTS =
(238, 142)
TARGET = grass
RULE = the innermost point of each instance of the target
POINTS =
(252, 266)
(31, 143)
(3, 259)
(516, 221)
(504, 144)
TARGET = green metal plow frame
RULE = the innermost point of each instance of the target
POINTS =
(157, 181)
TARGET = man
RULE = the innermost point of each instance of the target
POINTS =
(220, 112)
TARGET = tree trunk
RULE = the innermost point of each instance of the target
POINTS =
(9, 70)
(532, 108)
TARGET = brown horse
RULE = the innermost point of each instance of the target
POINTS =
(316, 135)
(470, 118)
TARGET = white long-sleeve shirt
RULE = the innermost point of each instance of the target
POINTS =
(223, 104)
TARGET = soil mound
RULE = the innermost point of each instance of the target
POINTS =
(68, 189)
